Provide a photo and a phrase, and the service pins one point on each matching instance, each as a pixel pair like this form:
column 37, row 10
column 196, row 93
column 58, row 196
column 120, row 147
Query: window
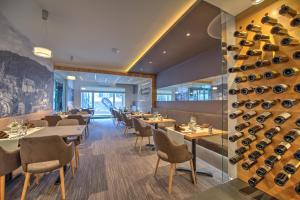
column 86, row 99
column 164, row 97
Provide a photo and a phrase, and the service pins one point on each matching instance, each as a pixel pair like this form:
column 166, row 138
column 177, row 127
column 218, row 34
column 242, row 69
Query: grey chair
column 9, row 161
column 52, row 119
column 67, row 122
column 141, row 132
column 128, row 123
column 172, row 153
column 45, row 154
column 119, row 118
column 38, row 123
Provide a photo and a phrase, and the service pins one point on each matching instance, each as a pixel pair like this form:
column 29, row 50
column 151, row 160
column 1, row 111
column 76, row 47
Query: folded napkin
column 3, row 135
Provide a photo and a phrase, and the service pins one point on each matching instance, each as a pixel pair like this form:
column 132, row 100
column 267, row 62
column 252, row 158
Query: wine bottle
column 261, row 145
column 292, row 166
column 297, row 88
column 282, row 148
column 255, row 154
column 248, row 164
column 242, row 126
column 297, row 122
column 288, row 103
column 292, row 135
column 269, row 104
column 271, row 160
column 287, row 11
column 240, row 34
column 234, row 69
column 296, row 55
column 254, row 180
column 280, row 59
column 296, row 21
column 248, row 140
column 247, row 67
column 297, row 154
column 235, row 137
column 281, row 119
column 253, row 28
column 238, row 104
column 262, row 171
column 254, row 77
column 236, row 114
column 261, row 37
column 241, row 150
column 240, row 79
column 235, row 159
column 249, row 115
column 297, row 189
column 262, row 63
column 253, row 130
column 262, row 89
column 251, row 104
column 252, row 52
column 281, row 88
column 233, row 48
column 246, row 91
column 263, row 117
column 233, row 91
column 272, row 132
column 270, row 47
column 269, row 20
column 278, row 30
column 271, row 75
column 289, row 41
column 282, row 178
column 291, row 71
column 247, row 43
column 240, row 57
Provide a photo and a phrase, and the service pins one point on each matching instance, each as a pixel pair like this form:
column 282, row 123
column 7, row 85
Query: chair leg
column 125, row 131
column 157, row 163
column 37, row 179
column 27, row 178
column 141, row 143
column 76, row 157
column 136, row 141
column 2, row 187
column 149, row 140
column 193, row 172
column 171, row 178
column 62, row 183
column 72, row 167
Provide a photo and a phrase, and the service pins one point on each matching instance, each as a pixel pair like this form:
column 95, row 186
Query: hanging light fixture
column 42, row 51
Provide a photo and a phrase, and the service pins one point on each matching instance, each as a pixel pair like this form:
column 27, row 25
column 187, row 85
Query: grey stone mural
column 26, row 86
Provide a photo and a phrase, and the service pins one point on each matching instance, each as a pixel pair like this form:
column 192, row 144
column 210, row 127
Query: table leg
column 197, row 172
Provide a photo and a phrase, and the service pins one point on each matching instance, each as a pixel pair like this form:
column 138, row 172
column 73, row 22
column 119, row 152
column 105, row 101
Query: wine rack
column 266, row 90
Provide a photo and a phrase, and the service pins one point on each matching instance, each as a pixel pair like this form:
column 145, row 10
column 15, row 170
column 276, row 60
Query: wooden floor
column 111, row 168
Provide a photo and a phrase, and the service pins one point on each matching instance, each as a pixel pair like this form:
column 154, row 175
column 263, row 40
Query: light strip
column 162, row 32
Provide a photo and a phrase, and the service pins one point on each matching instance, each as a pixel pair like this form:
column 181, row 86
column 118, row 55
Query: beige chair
column 169, row 152
column 9, row 161
column 52, row 119
column 76, row 140
column 39, row 123
column 142, row 131
column 128, row 123
column 45, row 154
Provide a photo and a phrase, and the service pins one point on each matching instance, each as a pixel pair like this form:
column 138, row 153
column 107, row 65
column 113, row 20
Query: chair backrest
column 42, row 149
column 39, row 123
column 118, row 116
column 74, row 111
column 79, row 118
column 9, row 161
column 67, row 122
column 162, row 141
column 52, row 119
column 86, row 110
column 127, row 121
column 137, row 124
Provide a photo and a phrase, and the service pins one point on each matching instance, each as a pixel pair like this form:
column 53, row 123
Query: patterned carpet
column 111, row 168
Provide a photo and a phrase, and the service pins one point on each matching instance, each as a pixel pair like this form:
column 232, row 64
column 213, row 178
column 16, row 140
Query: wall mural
column 26, row 86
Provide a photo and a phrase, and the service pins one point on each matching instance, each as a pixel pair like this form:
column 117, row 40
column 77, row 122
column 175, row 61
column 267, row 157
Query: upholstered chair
column 76, row 140
column 128, row 123
column 9, row 161
column 45, row 154
column 169, row 152
column 39, row 123
column 119, row 118
column 141, row 132
column 52, row 119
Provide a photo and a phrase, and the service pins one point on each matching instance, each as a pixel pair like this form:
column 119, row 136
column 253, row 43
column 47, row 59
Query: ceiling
column 233, row 7
column 89, row 30
column 178, row 46
column 94, row 79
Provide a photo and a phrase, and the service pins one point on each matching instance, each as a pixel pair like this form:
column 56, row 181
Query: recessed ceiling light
column 72, row 78
column 188, row 34
column 164, row 52
column 150, row 62
column 83, row 88
column 255, row 2
column 115, row 50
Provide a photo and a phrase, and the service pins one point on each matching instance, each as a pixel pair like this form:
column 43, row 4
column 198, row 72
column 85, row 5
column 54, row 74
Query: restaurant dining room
column 139, row 99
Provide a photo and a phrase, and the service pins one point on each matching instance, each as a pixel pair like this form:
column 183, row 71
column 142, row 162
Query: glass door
column 100, row 107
